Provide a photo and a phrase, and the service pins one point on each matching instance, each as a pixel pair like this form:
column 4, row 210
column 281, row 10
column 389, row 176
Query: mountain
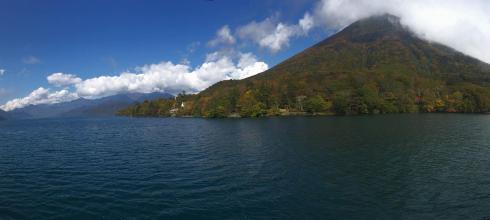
column 106, row 106
column 110, row 105
column 374, row 65
column 4, row 115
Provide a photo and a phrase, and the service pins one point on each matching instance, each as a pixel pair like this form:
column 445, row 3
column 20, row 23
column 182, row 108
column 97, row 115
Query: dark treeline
column 351, row 94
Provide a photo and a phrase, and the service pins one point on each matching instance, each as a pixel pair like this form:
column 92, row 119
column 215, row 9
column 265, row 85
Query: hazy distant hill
column 4, row 115
column 106, row 106
column 373, row 66
column 110, row 105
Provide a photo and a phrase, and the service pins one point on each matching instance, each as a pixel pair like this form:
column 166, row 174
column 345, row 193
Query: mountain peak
column 382, row 44
column 386, row 19
column 373, row 28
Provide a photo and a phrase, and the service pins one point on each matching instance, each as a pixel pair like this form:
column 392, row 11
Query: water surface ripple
column 382, row 167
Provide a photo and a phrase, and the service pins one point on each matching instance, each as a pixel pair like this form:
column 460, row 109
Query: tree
column 316, row 104
column 249, row 106
column 341, row 103
column 217, row 112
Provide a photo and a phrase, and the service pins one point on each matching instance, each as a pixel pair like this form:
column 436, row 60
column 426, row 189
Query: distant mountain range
column 4, row 115
column 373, row 66
column 106, row 106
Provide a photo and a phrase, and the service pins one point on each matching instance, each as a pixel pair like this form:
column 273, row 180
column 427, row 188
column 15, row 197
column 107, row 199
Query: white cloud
column 2, row 72
column 62, row 79
column 173, row 78
column 248, row 66
column 463, row 25
column 31, row 60
column 161, row 77
column 306, row 23
column 40, row 96
column 274, row 35
column 223, row 36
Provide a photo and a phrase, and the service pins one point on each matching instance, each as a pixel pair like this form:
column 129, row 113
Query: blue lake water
column 420, row 166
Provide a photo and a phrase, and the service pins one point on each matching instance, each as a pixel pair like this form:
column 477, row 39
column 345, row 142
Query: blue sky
column 55, row 50
column 91, row 38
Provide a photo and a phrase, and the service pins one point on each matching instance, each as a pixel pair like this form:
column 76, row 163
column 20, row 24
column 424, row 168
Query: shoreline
column 305, row 114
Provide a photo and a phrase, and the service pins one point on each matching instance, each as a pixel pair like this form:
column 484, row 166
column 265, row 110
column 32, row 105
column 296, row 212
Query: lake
column 412, row 166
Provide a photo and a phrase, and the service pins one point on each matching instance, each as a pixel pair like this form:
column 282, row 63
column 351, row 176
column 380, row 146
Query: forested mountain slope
column 373, row 66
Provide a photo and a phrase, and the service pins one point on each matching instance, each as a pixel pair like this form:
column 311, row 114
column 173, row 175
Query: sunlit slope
column 373, row 66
